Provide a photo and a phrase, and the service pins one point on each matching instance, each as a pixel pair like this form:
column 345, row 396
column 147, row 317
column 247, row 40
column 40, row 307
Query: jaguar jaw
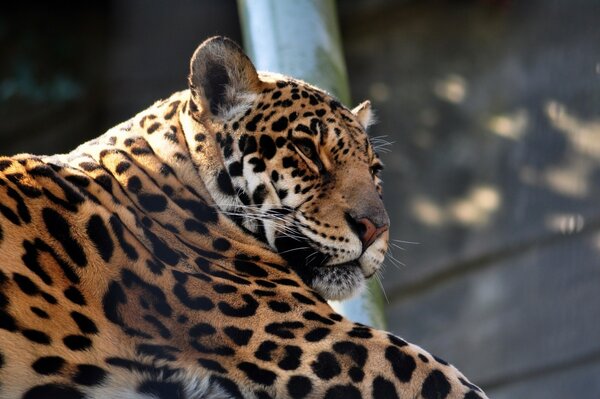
column 333, row 282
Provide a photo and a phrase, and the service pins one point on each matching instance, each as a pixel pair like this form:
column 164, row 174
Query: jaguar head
column 297, row 168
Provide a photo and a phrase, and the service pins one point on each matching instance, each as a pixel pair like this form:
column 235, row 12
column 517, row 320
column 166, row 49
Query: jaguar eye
column 375, row 169
column 307, row 148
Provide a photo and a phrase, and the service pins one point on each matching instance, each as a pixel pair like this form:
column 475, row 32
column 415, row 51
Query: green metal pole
column 301, row 38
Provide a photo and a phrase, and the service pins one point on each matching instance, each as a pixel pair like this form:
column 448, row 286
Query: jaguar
column 190, row 252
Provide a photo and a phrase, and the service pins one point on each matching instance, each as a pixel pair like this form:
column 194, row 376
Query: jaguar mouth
column 300, row 251
column 338, row 281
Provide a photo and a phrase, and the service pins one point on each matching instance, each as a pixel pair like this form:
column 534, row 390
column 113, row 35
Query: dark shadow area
column 52, row 74
column 70, row 70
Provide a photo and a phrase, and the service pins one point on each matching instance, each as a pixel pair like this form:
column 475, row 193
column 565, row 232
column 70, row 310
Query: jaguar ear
column 364, row 114
column 222, row 78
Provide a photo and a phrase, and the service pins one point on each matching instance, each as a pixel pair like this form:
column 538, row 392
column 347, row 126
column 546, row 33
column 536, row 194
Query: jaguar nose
column 367, row 231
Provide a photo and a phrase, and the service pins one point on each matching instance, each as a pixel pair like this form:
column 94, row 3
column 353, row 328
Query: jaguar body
column 190, row 252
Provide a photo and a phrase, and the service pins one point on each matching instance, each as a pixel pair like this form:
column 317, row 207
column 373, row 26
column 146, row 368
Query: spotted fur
column 189, row 253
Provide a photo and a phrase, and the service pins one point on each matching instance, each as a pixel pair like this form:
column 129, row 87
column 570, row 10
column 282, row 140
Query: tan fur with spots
column 188, row 253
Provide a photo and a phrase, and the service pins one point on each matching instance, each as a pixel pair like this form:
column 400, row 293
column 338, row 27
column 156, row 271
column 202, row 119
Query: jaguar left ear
column 221, row 77
column 364, row 114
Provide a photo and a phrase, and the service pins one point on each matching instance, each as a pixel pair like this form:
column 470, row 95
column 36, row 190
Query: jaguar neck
column 156, row 173
column 218, row 149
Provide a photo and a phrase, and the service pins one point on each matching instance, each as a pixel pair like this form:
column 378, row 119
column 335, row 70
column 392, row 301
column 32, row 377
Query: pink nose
column 368, row 232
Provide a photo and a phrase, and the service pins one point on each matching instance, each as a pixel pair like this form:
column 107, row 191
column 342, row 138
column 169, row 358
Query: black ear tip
column 214, row 47
column 219, row 42
column 221, row 39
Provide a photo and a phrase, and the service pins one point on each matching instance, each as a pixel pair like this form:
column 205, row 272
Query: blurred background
column 492, row 178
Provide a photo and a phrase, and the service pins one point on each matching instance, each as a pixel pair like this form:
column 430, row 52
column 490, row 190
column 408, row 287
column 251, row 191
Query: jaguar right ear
column 222, row 78
column 364, row 114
